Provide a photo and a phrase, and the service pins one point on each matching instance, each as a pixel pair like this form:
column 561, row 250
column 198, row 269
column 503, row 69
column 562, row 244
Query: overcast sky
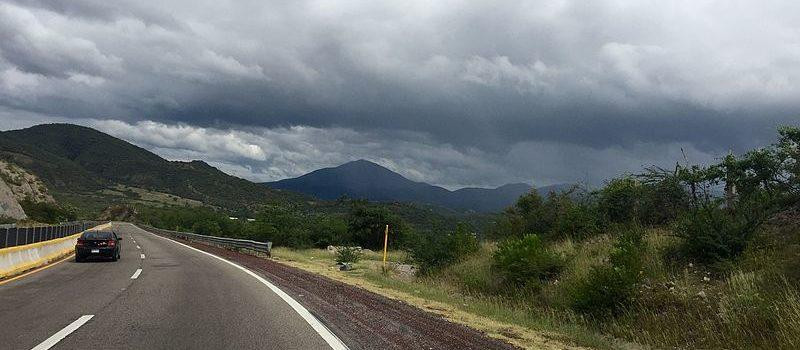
column 454, row 93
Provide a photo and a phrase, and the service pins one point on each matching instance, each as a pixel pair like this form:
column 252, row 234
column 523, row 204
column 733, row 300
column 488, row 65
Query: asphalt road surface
column 159, row 295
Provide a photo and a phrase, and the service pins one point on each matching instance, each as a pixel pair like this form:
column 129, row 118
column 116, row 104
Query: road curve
column 180, row 298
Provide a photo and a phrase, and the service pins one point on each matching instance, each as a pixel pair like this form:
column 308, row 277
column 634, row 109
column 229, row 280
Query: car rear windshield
column 97, row 235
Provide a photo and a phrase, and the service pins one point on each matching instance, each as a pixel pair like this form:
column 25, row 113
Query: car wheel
column 78, row 259
column 114, row 258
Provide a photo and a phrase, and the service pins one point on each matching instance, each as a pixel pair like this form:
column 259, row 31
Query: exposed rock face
column 24, row 184
column 16, row 184
column 9, row 207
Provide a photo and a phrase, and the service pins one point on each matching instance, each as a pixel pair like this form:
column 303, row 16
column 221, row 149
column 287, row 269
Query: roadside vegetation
column 48, row 213
column 688, row 257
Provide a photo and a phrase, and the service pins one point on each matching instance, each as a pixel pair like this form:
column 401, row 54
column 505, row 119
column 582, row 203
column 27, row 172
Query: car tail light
column 111, row 243
column 80, row 242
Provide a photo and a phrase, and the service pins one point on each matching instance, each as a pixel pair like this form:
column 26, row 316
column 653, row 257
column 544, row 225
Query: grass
column 752, row 302
column 505, row 318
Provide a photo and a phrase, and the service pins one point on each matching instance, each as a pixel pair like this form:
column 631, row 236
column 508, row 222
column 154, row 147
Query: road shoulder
column 364, row 319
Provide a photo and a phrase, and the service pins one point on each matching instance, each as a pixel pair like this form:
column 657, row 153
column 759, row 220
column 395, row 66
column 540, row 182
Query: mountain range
column 81, row 165
column 367, row 180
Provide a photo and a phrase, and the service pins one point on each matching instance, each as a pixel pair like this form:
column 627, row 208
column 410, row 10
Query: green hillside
column 79, row 160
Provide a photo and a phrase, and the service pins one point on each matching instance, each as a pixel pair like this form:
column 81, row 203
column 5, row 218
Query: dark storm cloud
column 493, row 84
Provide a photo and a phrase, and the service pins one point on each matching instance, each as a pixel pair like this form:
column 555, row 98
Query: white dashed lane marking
column 136, row 274
column 63, row 333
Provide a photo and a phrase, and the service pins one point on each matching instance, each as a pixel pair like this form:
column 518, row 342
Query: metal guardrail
column 224, row 242
column 16, row 236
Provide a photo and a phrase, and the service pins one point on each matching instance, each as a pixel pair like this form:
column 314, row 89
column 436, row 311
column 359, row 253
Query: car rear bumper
column 87, row 252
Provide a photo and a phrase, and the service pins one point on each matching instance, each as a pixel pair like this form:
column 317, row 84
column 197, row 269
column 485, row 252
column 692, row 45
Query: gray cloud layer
column 452, row 92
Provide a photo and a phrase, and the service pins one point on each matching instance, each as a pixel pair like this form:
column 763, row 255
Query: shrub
column 348, row 255
column 664, row 197
column 207, row 227
column 431, row 251
column 47, row 212
column 628, row 252
column 620, row 199
column 325, row 231
column 526, row 261
column 609, row 288
column 713, row 234
column 604, row 291
column 559, row 215
column 7, row 220
column 462, row 241
column 576, row 220
column 473, row 274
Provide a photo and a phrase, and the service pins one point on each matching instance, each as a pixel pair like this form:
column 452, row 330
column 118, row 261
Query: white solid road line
column 141, row 255
column 333, row 341
column 136, row 274
column 63, row 333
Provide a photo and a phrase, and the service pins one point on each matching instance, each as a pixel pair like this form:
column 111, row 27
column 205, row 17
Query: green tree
column 620, row 200
column 366, row 225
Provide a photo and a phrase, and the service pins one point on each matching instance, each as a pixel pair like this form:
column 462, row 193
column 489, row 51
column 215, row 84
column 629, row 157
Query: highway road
column 160, row 295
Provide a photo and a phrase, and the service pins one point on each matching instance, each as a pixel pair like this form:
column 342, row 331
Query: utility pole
column 385, row 246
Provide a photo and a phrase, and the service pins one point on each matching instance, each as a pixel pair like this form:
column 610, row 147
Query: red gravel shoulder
column 360, row 318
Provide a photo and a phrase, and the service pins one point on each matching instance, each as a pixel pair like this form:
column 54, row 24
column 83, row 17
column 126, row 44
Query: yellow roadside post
column 385, row 246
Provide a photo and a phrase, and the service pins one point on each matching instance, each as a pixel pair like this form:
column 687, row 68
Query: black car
column 98, row 244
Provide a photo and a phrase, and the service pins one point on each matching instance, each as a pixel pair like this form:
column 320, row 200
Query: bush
column 620, row 199
column 526, row 261
column 474, row 274
column 207, row 227
column 366, row 224
column 604, row 291
column 48, row 213
column 714, row 234
column 325, row 231
column 664, row 197
column 348, row 255
column 576, row 220
column 609, row 288
column 7, row 220
column 431, row 251
column 559, row 215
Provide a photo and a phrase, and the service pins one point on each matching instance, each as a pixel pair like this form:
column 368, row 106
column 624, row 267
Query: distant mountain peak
column 363, row 164
column 368, row 180
column 362, row 161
